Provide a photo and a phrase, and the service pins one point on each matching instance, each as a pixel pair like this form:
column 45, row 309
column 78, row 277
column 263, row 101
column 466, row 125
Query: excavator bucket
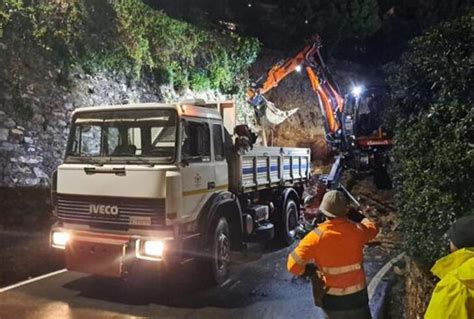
column 276, row 116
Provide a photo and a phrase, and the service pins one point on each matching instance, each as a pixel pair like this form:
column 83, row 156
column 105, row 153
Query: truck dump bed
column 268, row 167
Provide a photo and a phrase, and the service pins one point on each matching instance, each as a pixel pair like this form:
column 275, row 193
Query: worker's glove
column 309, row 270
column 355, row 215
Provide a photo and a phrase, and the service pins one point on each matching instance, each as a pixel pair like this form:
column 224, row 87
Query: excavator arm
column 330, row 101
column 277, row 73
column 330, row 98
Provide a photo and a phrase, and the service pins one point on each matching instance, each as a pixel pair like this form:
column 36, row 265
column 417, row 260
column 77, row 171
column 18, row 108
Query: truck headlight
column 150, row 249
column 154, row 248
column 59, row 239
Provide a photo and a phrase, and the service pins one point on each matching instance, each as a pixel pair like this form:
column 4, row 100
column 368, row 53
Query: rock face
column 37, row 99
column 305, row 127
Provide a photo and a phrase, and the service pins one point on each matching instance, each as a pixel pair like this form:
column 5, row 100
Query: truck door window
column 135, row 138
column 218, row 142
column 195, row 146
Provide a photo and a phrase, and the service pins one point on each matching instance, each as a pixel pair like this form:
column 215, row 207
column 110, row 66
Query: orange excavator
column 330, row 98
column 353, row 123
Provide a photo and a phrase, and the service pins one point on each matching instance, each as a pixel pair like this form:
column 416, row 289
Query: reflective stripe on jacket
column 336, row 247
column 453, row 296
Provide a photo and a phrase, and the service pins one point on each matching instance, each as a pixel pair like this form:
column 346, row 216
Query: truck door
column 220, row 163
column 198, row 173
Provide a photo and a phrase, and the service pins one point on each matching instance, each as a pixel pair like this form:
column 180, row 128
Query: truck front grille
column 108, row 211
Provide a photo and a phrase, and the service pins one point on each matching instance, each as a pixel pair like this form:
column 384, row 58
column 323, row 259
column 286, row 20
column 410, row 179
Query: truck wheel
column 288, row 223
column 220, row 252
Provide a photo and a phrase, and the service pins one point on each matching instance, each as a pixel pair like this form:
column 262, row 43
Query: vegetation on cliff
column 433, row 120
column 131, row 37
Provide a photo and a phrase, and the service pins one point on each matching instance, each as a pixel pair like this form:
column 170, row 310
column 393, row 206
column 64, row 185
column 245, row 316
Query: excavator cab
column 366, row 140
column 363, row 117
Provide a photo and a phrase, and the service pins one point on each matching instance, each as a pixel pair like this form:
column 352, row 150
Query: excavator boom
column 330, row 98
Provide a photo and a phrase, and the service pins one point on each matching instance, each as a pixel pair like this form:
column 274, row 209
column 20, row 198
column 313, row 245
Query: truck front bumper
column 113, row 255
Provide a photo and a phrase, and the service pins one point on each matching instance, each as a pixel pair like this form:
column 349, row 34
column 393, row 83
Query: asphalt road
column 259, row 287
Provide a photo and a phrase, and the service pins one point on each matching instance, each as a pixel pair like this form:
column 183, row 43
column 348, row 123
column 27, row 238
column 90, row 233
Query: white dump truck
column 161, row 184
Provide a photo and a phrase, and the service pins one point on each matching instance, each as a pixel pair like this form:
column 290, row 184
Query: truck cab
column 160, row 184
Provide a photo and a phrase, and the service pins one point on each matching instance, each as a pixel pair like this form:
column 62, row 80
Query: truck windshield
column 123, row 136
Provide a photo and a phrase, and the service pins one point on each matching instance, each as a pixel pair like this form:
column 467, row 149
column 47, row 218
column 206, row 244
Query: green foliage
column 336, row 21
column 129, row 36
column 427, row 13
column 433, row 119
column 200, row 80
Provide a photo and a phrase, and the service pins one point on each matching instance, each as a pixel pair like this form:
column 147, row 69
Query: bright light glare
column 357, row 91
column 60, row 239
column 298, row 68
column 154, row 248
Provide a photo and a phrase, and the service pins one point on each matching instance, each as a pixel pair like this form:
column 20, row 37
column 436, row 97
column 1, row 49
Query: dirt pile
column 378, row 205
column 296, row 137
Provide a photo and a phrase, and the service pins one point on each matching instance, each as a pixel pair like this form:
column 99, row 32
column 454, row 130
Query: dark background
column 366, row 31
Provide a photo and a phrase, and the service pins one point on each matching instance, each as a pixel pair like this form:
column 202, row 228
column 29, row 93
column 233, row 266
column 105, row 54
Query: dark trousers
column 361, row 313
column 353, row 306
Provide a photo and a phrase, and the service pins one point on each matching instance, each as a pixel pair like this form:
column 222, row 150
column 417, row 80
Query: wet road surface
column 259, row 287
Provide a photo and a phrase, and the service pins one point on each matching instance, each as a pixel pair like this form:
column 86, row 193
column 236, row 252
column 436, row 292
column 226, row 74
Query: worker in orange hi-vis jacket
column 332, row 254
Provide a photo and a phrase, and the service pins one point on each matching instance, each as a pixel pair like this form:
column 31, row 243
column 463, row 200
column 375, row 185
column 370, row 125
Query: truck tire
column 220, row 252
column 286, row 227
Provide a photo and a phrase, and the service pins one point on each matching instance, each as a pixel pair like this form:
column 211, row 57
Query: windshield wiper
column 90, row 158
column 144, row 161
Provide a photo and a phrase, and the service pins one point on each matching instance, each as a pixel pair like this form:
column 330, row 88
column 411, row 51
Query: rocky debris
column 379, row 205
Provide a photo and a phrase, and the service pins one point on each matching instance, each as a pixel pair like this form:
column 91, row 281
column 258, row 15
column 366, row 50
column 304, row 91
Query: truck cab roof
column 192, row 108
